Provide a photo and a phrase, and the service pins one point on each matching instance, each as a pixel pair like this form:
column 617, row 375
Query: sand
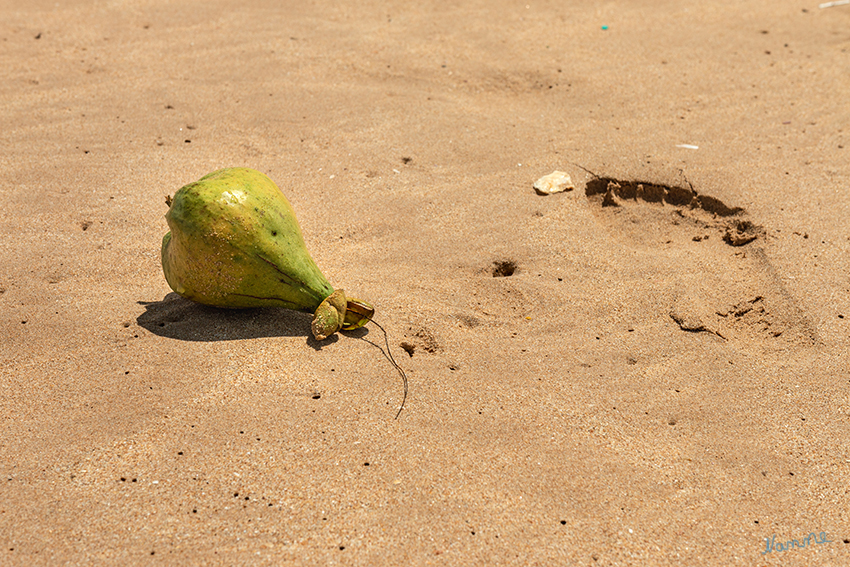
column 637, row 392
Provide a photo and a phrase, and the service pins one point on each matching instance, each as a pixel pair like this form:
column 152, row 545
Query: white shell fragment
column 555, row 182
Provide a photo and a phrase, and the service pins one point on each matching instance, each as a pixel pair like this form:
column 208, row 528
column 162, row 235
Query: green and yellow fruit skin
column 234, row 242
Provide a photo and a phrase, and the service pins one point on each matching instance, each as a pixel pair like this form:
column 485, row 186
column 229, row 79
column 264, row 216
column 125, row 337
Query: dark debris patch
column 659, row 193
column 735, row 230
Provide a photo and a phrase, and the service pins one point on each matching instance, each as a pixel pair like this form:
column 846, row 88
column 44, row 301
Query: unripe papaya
column 234, row 242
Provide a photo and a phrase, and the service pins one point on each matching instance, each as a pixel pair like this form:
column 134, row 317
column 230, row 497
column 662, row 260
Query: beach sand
column 639, row 391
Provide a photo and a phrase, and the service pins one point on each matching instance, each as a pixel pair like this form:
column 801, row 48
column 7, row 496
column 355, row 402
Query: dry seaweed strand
column 585, row 169
column 389, row 356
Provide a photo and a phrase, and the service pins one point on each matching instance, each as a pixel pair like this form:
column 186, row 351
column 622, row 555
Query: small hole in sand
column 408, row 348
column 504, row 268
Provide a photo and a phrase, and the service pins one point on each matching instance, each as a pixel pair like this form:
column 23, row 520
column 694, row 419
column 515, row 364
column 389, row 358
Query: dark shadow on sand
column 178, row 318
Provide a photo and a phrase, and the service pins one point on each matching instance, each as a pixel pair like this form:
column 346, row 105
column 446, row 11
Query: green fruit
column 235, row 242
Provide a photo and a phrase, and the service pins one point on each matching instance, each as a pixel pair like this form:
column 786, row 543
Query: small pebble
column 555, row 182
